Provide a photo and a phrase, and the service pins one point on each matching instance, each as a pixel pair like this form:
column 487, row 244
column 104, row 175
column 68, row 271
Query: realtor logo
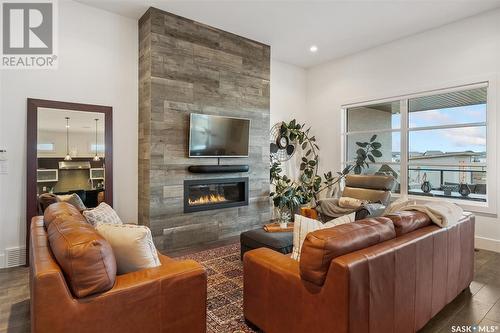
column 28, row 32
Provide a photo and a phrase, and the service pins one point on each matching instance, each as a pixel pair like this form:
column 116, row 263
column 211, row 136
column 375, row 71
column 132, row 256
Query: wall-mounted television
column 216, row 136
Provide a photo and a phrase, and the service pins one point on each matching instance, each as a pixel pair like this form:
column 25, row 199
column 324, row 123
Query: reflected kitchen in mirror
column 71, row 154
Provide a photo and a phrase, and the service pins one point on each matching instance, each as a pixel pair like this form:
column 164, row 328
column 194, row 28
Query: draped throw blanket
column 441, row 213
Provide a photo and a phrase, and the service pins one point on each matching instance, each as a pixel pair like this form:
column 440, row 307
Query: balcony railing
column 448, row 187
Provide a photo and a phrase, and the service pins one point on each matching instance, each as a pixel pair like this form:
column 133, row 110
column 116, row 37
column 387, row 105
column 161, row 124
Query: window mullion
column 403, row 181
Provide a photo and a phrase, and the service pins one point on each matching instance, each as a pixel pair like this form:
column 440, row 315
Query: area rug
column 224, row 290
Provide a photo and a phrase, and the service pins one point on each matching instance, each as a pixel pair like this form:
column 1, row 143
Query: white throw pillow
column 103, row 213
column 351, row 203
column 304, row 225
column 132, row 245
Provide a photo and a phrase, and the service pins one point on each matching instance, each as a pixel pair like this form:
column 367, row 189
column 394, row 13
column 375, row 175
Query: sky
column 445, row 140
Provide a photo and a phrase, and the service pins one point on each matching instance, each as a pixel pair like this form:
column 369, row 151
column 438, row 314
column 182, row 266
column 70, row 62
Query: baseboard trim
column 487, row 244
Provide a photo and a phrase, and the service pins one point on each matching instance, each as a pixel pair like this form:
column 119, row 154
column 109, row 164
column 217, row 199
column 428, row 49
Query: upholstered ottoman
column 277, row 241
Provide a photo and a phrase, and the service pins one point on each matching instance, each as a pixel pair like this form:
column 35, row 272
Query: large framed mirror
column 69, row 155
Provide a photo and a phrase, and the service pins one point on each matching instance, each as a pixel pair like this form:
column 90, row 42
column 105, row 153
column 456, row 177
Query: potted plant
column 289, row 195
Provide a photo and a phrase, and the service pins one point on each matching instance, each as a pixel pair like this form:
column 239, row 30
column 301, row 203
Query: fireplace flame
column 207, row 199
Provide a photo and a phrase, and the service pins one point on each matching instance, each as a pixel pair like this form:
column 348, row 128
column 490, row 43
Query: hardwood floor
column 480, row 304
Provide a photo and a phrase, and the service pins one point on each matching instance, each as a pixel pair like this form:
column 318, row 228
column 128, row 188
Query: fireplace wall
column 184, row 67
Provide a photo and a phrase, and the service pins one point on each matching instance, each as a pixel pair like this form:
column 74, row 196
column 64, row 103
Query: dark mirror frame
column 32, row 158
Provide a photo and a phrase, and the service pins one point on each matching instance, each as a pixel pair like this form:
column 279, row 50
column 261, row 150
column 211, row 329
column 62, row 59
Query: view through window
column 439, row 140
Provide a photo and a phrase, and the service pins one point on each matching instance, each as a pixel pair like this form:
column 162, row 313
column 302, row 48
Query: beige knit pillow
column 103, row 213
column 304, row 225
column 132, row 245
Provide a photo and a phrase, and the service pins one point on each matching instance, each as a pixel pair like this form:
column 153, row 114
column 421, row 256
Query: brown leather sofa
column 74, row 286
column 386, row 274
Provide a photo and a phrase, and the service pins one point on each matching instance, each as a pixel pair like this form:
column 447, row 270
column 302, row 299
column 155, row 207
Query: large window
column 434, row 143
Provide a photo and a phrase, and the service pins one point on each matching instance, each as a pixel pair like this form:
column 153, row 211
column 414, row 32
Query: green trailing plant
column 290, row 194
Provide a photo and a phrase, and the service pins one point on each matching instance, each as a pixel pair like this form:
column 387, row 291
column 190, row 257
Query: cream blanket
column 441, row 213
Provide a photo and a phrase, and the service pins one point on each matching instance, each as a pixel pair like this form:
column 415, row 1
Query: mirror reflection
column 71, row 155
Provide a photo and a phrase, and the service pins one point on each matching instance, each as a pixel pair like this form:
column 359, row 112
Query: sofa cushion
column 304, row 225
column 84, row 256
column 73, row 199
column 407, row 221
column 322, row 246
column 47, row 199
column 60, row 209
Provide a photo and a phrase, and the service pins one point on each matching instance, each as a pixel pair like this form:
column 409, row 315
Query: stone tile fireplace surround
column 184, row 67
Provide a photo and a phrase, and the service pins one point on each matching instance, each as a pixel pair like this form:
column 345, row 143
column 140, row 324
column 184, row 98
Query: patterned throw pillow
column 73, row 199
column 102, row 214
column 304, row 225
column 132, row 245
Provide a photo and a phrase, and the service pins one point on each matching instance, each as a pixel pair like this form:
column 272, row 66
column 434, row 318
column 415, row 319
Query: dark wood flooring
column 480, row 304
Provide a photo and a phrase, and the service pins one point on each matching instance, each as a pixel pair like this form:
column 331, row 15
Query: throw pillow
column 132, row 245
column 352, row 203
column 102, row 214
column 304, row 225
column 73, row 199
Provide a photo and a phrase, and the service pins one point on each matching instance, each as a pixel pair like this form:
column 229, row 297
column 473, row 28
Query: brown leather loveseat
column 74, row 286
column 386, row 274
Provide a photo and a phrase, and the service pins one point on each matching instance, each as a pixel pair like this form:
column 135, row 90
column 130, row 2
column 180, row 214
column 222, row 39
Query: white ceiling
column 338, row 28
column 54, row 120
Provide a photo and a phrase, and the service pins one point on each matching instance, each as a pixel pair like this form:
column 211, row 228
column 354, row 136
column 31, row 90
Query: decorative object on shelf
column 290, row 194
column 426, row 185
column 447, row 189
column 464, row 189
column 284, row 217
column 281, row 145
column 96, row 157
column 68, row 156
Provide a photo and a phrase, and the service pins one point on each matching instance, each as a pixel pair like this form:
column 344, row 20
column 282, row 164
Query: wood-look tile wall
column 184, row 67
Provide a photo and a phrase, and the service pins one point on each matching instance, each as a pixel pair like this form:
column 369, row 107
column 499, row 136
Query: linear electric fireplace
column 206, row 194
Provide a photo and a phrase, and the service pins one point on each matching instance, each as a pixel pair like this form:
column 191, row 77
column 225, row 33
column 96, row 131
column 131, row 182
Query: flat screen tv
column 216, row 136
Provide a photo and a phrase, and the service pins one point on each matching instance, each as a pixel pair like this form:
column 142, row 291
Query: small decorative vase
column 426, row 186
column 283, row 225
column 464, row 190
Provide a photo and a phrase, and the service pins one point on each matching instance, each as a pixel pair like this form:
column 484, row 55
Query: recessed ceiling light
column 313, row 48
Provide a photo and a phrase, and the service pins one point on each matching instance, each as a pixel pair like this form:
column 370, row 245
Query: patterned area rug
column 225, row 289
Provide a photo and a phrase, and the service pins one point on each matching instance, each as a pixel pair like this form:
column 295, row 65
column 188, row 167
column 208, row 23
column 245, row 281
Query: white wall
column 288, row 101
column 288, row 92
column 98, row 64
column 467, row 51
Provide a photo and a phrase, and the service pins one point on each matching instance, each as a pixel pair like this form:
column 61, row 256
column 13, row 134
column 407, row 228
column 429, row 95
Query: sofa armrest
column 167, row 298
column 169, row 270
column 171, row 297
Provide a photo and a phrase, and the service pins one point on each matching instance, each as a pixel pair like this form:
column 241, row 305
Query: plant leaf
column 376, row 153
column 373, row 138
column 371, row 158
column 376, row 145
